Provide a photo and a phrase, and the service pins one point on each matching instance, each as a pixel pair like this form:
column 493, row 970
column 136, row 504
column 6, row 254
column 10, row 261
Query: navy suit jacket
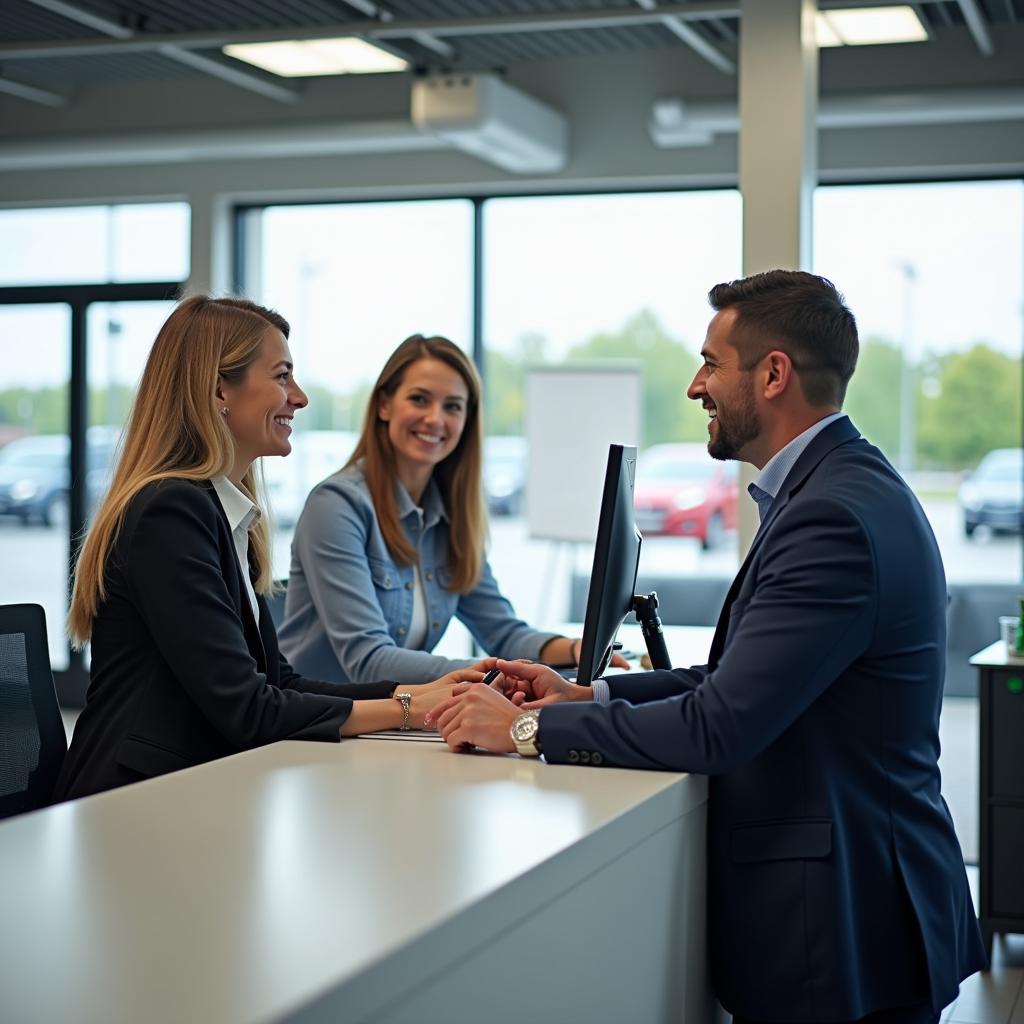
column 836, row 882
column 182, row 672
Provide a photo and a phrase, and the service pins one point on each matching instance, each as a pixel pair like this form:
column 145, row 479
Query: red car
column 681, row 491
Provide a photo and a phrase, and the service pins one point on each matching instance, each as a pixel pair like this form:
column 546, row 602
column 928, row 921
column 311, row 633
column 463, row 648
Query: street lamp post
column 908, row 374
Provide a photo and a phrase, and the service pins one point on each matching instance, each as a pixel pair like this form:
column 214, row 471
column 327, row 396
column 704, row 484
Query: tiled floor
column 995, row 996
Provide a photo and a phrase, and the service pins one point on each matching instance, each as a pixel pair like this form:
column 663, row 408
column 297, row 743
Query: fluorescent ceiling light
column 865, row 26
column 298, row 59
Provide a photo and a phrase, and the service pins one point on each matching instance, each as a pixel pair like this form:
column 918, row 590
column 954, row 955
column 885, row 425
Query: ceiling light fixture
column 301, row 59
column 866, row 26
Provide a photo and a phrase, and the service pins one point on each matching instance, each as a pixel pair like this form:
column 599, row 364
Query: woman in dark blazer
column 185, row 663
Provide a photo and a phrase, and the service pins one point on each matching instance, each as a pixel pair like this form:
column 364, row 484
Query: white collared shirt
column 242, row 513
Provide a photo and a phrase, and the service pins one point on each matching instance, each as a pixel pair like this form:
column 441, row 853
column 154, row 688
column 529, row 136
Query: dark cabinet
column 1001, row 808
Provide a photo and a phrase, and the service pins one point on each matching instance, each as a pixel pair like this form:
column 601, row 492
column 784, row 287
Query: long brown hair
column 459, row 476
column 175, row 430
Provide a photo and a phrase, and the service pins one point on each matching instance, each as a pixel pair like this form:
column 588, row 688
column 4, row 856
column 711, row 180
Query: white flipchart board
column 573, row 412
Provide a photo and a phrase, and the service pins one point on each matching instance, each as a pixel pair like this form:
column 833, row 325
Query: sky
column 940, row 264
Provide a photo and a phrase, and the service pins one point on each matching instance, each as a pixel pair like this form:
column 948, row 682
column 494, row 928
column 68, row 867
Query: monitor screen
column 616, row 555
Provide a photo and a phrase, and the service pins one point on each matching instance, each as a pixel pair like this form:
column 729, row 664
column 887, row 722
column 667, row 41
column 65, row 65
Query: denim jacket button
column 408, row 586
column 401, row 630
column 436, row 625
column 429, row 575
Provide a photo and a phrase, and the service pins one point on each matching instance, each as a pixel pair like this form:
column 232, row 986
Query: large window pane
column 95, row 244
column 934, row 274
column 120, row 337
column 354, row 280
column 34, row 450
column 618, row 277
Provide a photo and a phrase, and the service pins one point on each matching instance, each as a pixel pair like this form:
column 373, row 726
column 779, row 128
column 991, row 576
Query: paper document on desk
column 398, row 734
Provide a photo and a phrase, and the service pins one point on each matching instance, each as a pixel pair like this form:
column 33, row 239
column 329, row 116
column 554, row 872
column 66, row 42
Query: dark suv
column 34, row 476
column 993, row 495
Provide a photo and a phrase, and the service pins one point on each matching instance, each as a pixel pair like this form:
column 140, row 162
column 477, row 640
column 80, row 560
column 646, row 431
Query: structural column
column 778, row 166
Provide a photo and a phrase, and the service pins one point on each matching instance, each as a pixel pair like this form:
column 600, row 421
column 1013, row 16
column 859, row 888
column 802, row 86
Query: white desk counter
column 365, row 881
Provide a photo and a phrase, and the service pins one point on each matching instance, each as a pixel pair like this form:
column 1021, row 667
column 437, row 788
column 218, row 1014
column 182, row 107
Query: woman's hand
column 473, row 674
column 426, row 696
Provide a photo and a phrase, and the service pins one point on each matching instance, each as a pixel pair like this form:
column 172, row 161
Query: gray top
column 349, row 607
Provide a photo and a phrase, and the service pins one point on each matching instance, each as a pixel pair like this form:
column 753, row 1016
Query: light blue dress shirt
column 349, row 607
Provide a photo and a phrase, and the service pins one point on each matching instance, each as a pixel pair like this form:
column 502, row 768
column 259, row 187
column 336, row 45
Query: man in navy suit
column 837, row 889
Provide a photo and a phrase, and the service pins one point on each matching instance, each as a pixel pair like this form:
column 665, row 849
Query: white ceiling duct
column 484, row 116
column 674, row 122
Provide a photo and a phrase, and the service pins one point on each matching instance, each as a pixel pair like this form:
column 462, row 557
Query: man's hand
column 475, row 716
column 529, row 685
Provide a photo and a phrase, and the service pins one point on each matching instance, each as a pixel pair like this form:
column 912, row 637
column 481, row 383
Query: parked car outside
column 505, row 460
column 316, row 454
column 993, row 495
column 35, row 476
column 681, row 491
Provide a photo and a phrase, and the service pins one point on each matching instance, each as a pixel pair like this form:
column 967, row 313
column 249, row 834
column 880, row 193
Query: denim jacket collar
column 433, row 504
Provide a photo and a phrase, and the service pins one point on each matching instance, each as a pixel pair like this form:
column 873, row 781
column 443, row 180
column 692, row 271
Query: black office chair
column 32, row 740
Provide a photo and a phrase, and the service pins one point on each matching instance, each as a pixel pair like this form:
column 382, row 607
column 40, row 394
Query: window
column 612, row 277
column 935, row 275
column 95, row 244
column 34, row 466
column 353, row 281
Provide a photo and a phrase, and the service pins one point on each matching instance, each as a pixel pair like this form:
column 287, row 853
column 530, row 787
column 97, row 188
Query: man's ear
column 779, row 374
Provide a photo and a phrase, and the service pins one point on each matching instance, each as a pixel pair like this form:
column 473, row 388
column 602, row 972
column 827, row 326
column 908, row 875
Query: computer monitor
column 616, row 556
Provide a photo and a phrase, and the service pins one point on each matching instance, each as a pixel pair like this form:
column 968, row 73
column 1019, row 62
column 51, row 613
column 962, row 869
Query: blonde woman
column 170, row 582
column 391, row 547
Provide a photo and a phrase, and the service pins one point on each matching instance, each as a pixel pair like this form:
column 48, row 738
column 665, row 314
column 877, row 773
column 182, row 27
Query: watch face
column 524, row 728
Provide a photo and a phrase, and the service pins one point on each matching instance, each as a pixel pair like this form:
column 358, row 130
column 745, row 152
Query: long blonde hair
column 459, row 476
column 175, row 430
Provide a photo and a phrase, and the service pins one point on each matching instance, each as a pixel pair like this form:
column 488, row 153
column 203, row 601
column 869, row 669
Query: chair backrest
column 32, row 739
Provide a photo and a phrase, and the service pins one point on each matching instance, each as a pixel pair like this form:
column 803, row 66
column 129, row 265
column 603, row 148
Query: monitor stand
column 645, row 606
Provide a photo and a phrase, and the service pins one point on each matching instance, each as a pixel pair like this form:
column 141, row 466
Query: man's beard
column 741, row 425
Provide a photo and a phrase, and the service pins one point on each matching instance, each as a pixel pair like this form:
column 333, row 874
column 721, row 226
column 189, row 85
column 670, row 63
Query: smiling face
column 425, row 416
column 726, row 390
column 262, row 403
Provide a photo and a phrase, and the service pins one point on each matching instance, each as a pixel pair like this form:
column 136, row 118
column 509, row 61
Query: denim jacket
column 349, row 605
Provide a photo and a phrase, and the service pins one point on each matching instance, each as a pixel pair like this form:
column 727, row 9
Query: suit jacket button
column 436, row 625
column 584, row 757
column 574, row 757
column 596, row 758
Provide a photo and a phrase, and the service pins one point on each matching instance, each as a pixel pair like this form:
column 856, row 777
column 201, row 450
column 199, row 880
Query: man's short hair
column 800, row 314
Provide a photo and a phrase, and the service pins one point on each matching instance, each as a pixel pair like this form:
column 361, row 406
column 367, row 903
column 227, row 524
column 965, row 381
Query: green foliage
column 975, row 407
column 505, row 384
column 967, row 402
column 38, row 411
column 668, row 369
column 873, row 397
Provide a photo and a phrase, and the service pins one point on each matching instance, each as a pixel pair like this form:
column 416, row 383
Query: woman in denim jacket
column 389, row 548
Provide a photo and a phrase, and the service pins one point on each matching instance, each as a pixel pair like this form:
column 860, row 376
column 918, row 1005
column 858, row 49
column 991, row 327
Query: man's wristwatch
column 406, row 698
column 525, row 733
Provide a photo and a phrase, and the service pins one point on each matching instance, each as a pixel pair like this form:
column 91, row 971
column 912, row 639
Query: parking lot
column 533, row 573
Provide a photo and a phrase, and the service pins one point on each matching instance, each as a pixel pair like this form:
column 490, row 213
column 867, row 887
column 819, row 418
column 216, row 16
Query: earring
column 224, row 411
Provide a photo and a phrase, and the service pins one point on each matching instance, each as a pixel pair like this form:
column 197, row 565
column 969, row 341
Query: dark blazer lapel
column 826, row 441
